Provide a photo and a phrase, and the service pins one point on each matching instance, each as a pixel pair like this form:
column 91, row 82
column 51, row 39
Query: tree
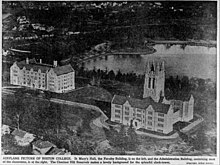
column 122, row 138
column 9, row 146
column 112, row 135
column 119, row 76
column 200, row 142
column 185, row 83
column 111, row 75
column 80, row 146
column 79, row 131
column 132, row 138
column 15, row 109
column 183, row 136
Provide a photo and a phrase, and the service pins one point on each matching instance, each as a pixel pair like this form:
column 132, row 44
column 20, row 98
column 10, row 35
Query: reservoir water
column 192, row 61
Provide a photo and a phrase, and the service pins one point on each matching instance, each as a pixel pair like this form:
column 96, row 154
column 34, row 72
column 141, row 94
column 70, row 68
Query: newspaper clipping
column 109, row 82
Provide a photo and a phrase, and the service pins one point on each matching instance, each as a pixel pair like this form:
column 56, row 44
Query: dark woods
column 173, row 85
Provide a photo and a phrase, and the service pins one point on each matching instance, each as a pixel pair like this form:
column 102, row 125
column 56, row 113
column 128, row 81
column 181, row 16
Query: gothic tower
column 154, row 80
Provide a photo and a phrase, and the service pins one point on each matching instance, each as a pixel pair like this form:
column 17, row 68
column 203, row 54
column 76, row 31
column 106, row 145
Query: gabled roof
column 59, row 70
column 63, row 69
column 141, row 103
column 33, row 65
column 43, row 144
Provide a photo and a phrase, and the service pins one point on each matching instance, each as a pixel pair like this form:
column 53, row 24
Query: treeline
column 98, row 74
column 173, row 84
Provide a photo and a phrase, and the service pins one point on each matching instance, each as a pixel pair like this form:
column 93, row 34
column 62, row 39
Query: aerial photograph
column 109, row 78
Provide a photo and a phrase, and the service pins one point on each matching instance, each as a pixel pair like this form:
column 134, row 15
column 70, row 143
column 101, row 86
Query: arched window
column 149, row 82
column 153, row 83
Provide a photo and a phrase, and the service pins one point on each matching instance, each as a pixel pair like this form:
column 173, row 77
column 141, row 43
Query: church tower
column 154, row 80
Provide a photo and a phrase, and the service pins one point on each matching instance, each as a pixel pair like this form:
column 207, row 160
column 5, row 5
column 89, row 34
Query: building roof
column 59, row 70
column 43, row 144
column 19, row 133
column 56, row 151
column 63, row 69
column 141, row 103
column 35, row 66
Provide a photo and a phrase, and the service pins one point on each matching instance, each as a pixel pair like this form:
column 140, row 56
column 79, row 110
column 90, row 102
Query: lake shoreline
column 188, row 42
column 192, row 61
column 150, row 43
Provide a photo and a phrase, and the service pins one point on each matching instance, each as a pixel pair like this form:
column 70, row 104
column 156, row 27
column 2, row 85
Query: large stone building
column 153, row 112
column 42, row 76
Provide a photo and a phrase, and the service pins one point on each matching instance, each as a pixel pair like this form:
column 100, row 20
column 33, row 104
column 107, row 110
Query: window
column 117, row 116
column 117, row 111
column 159, row 130
column 160, row 125
column 117, row 121
column 150, row 113
column 149, row 128
column 149, row 118
column 126, row 113
column 153, row 83
column 149, row 82
column 15, row 71
column 127, row 118
column 160, row 114
column 139, row 110
column 117, row 106
column 149, row 123
column 186, row 109
column 139, row 115
column 126, row 108
column 161, row 120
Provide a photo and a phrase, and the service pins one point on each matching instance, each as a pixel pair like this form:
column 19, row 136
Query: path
column 97, row 131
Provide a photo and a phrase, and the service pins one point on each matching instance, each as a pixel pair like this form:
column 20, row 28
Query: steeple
column 154, row 80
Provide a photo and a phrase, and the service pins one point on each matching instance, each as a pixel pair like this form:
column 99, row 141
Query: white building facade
column 153, row 112
column 54, row 78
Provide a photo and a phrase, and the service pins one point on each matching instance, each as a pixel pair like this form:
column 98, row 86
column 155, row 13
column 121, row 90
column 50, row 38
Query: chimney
column 40, row 61
column 27, row 60
column 55, row 63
